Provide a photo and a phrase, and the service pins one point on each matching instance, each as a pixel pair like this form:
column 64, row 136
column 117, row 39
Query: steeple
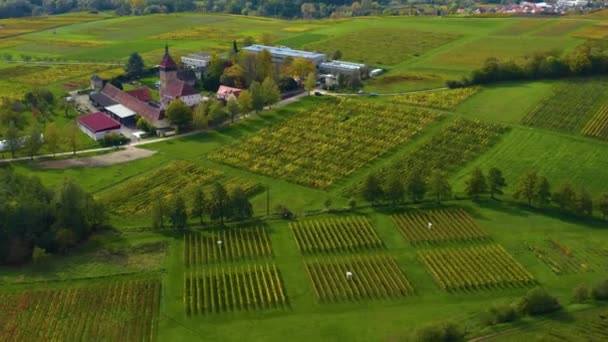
column 167, row 64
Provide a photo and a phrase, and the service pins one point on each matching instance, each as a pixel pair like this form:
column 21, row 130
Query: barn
column 97, row 125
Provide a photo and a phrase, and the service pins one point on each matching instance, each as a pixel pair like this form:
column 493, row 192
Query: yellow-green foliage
column 442, row 99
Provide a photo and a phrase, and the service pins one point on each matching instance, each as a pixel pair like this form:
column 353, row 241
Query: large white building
column 342, row 67
column 279, row 54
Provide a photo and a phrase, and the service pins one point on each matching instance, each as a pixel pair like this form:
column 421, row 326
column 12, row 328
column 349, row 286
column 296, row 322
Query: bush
column 538, row 302
column 445, row 331
column 114, row 139
column 600, row 292
column 499, row 314
column 580, row 294
column 284, row 212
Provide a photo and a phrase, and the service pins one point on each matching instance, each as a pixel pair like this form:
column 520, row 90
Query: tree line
column 35, row 218
column 588, row 59
column 218, row 206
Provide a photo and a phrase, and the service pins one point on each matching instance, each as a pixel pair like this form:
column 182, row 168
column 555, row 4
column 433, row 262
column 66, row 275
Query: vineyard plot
column 321, row 146
column 568, row 107
column 598, row 125
column 226, row 245
column 475, row 268
column 442, row 99
column 594, row 328
column 443, row 225
column 135, row 196
column 560, row 258
column 251, row 287
column 120, row 311
column 453, row 147
column 377, row 277
column 353, row 234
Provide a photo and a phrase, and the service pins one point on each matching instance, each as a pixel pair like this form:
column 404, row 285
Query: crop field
column 374, row 277
column 442, row 99
column 446, row 225
column 134, row 196
column 560, row 258
column 522, row 27
column 559, row 28
column 18, row 26
column 227, row 245
column 597, row 31
column 48, row 75
column 383, row 46
column 568, row 107
column 316, row 148
column 594, row 328
column 257, row 287
column 454, row 146
column 196, row 33
column 483, row 267
column 352, row 234
column 123, row 310
column 598, row 125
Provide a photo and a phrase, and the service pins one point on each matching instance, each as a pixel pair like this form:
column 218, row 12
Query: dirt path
column 123, row 156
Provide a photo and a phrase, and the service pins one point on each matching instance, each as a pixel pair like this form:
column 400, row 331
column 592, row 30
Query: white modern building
column 197, row 60
column 279, row 54
column 342, row 67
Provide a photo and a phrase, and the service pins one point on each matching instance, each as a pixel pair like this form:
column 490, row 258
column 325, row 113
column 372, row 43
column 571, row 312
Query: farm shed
column 100, row 100
column 121, row 113
column 97, row 125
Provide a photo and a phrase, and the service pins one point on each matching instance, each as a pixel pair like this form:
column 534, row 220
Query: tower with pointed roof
column 168, row 71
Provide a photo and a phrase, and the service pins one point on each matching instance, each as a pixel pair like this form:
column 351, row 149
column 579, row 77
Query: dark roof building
column 100, row 100
column 152, row 114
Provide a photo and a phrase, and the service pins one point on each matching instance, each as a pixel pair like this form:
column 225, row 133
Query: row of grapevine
column 453, row 147
column 598, row 125
column 373, row 277
column 594, row 328
column 558, row 257
column 350, row 234
column 567, row 108
column 475, row 268
column 442, row 99
column 135, row 196
column 226, row 245
column 251, row 287
column 316, row 148
column 445, row 225
column 120, row 311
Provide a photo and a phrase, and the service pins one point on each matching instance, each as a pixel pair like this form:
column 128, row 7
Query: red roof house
column 97, row 125
column 224, row 92
column 142, row 94
column 140, row 107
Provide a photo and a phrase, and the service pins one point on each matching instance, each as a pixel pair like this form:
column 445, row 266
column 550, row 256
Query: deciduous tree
column 416, row 187
column 271, row 92
column 602, row 205
column 219, row 203
column 179, row 114
column 72, row 136
column 240, row 207
column 52, row 138
column 158, row 212
column 527, row 187
column 11, row 135
column 245, row 102
column 311, row 82
column 565, row 198
column 372, row 191
column 257, row 96
column 496, row 182
column 177, row 213
column 542, row 192
column 232, row 106
column 33, row 142
column 585, row 204
column 439, row 185
column 199, row 204
column 476, row 185
column 395, row 191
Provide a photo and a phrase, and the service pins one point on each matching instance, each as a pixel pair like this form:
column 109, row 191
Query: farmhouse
column 224, row 92
column 279, row 54
column 97, row 125
column 171, row 87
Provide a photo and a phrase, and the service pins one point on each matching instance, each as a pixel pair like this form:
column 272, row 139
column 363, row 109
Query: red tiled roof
column 178, row 88
column 98, row 122
column 168, row 62
column 226, row 91
column 133, row 103
column 142, row 94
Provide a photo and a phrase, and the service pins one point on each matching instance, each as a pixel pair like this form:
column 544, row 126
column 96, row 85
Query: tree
column 71, row 136
column 581, row 294
column 565, row 198
column 585, row 204
column 496, row 182
column 200, row 115
column 372, row 191
column 270, row 92
column 300, row 67
column 476, row 185
column 219, row 202
column 538, row 302
column 445, row 331
column 395, row 191
column 11, row 135
column 65, row 239
column 600, row 292
column 232, row 106
column 311, row 82
column 248, row 41
column 240, row 207
column 542, row 192
column 52, row 138
column 199, row 204
column 135, row 66
column 527, row 187
column 602, row 205
column 257, row 96
column 336, row 55
column 439, row 185
column 264, row 65
column 245, row 102
column 416, row 187
column 352, row 204
column 308, row 10
column 328, row 202
column 33, row 142
column 179, row 114
column 158, row 213
column 177, row 213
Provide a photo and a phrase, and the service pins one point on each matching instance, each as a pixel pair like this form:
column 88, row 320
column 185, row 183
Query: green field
column 269, row 278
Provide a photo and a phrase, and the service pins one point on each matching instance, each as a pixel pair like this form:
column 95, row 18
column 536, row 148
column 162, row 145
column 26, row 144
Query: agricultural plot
column 457, row 144
column 568, row 107
column 14, row 27
column 475, row 268
column 435, row 226
column 226, row 245
column 198, row 32
column 50, row 75
column 377, row 277
column 594, row 328
column 316, row 148
column 384, row 46
column 598, row 125
column 598, row 31
column 521, row 27
column 135, row 196
column 559, row 28
column 248, row 287
column 125, row 310
column 353, row 234
column 442, row 99
column 561, row 259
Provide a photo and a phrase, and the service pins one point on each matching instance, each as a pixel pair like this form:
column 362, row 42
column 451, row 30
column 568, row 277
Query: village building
column 130, row 106
column 224, row 92
column 281, row 53
column 197, row 62
column 346, row 68
column 97, row 125
column 171, row 87
column 96, row 82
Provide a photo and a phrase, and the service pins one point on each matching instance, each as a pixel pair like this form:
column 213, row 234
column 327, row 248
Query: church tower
column 168, row 71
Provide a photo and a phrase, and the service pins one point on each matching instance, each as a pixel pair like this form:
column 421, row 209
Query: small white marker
column 430, row 226
column 219, row 243
column 349, row 275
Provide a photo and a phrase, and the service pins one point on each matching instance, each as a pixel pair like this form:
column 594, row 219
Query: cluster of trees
column 34, row 217
column 221, row 205
column 586, row 60
column 296, row 8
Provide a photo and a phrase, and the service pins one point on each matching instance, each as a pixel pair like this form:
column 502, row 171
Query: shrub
column 600, row 292
column 284, row 212
column 445, row 331
column 114, row 139
column 580, row 294
column 499, row 314
column 538, row 302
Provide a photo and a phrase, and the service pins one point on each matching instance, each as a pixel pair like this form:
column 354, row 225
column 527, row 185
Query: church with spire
column 171, row 87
